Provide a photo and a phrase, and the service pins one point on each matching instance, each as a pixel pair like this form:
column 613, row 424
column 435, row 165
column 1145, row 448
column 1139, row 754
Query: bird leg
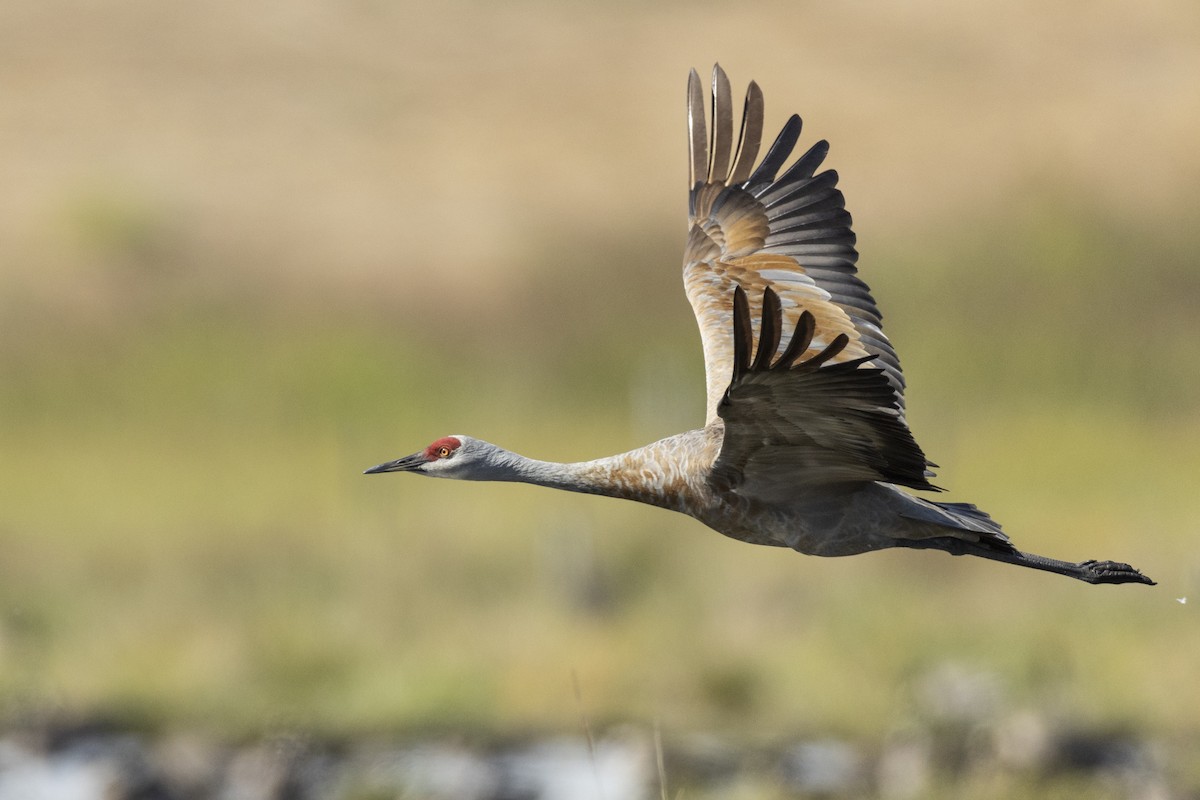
column 1088, row 571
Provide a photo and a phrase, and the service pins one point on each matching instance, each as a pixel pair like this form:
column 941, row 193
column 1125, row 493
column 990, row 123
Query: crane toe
column 1112, row 572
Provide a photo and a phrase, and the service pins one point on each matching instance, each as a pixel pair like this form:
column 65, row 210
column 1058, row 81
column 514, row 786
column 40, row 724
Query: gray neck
column 652, row 474
column 589, row 477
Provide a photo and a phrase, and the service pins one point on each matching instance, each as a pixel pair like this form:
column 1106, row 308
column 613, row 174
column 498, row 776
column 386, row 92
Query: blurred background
column 248, row 250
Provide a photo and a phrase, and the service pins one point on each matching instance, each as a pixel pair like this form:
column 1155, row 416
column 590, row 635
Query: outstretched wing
column 751, row 229
column 794, row 422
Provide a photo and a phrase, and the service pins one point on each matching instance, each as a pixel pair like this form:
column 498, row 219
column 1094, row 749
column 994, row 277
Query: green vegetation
column 188, row 540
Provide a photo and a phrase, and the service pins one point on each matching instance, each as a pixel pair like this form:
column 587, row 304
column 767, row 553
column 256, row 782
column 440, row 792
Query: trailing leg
column 1087, row 571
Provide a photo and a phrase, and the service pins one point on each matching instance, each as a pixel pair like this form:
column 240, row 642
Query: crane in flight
column 805, row 442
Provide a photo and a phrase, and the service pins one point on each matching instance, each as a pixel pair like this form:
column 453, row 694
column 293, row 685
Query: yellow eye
column 443, row 452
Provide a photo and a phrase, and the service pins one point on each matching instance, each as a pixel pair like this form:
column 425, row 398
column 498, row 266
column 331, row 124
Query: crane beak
column 407, row 464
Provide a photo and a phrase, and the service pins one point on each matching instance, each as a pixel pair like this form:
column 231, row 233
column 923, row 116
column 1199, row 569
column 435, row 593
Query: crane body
column 805, row 443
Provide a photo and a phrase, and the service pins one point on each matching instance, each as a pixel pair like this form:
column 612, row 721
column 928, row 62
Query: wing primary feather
column 806, row 326
column 852, row 366
column 779, row 152
column 829, row 204
column 750, row 138
column 742, row 334
column 722, row 126
column 697, row 137
column 806, row 165
column 768, row 330
column 836, row 346
column 807, row 191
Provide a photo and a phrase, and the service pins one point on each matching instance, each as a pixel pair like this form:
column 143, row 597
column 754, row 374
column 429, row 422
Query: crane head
column 455, row 456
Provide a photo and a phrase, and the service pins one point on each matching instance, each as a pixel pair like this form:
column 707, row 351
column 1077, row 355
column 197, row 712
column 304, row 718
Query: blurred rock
column 825, row 767
column 434, row 771
column 1023, row 740
column 29, row 775
column 105, row 764
column 569, row 768
column 193, row 765
column 905, row 766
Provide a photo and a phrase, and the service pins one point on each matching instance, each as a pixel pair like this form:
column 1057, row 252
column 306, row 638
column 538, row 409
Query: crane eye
column 442, row 448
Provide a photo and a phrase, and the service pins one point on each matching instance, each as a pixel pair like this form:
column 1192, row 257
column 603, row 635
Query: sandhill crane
column 805, row 441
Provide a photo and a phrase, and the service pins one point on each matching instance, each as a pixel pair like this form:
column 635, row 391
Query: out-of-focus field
column 247, row 251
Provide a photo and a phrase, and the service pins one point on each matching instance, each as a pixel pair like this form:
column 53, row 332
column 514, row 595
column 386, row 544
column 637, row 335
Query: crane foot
column 1111, row 572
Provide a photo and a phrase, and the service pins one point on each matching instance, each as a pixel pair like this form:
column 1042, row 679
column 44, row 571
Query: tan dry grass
column 380, row 147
